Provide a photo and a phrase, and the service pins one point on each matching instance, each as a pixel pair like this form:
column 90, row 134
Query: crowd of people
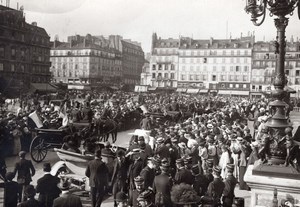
column 198, row 157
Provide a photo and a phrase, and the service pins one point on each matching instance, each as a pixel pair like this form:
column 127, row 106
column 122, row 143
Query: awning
column 228, row 92
column 152, row 89
column 79, row 87
column 203, row 91
column 192, row 90
column 183, row 90
column 42, row 87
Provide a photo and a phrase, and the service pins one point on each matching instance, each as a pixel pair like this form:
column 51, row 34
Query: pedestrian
column 120, row 172
column 25, row 171
column 66, row 199
column 230, row 183
column 29, row 192
column 162, row 186
column 12, row 190
column 183, row 175
column 97, row 172
column 148, row 173
column 139, row 188
column 145, row 199
column 47, row 187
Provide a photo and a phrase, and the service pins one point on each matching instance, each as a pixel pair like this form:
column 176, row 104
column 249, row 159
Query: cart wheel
column 38, row 149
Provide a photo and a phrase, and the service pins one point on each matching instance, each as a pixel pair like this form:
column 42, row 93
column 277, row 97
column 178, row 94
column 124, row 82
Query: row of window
column 165, row 75
column 21, row 68
column 237, row 68
column 204, row 77
column 82, row 52
column 214, row 60
column 202, row 52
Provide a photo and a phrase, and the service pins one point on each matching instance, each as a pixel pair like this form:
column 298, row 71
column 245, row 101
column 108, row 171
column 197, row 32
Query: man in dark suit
column 230, row 183
column 183, row 175
column 139, row 188
column 148, row 173
column 12, row 190
column 47, row 187
column 30, row 193
column 23, row 168
column 66, row 199
column 201, row 182
column 135, row 168
column 97, row 172
column 162, row 186
column 216, row 187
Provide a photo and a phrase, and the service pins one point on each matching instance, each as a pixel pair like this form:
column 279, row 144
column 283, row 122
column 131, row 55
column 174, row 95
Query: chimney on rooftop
column 34, row 24
column 211, row 41
column 292, row 39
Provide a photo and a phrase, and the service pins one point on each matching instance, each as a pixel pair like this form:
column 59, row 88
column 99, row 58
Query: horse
column 106, row 127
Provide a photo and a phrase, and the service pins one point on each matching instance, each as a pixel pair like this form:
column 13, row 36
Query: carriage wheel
column 38, row 149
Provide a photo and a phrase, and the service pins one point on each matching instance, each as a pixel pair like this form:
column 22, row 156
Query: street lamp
column 279, row 120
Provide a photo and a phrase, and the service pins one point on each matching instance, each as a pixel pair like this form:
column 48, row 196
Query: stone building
column 264, row 64
column 24, row 53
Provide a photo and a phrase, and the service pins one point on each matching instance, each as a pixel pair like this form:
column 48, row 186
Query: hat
column 47, row 167
column 139, row 180
column 30, row 191
column 187, row 136
column 160, row 140
column 121, row 197
column 22, row 154
column 217, row 170
column 230, row 167
column 188, row 160
column 64, row 184
column 210, row 126
column 174, row 139
column 141, row 138
column 195, row 170
column 147, row 194
column 240, row 139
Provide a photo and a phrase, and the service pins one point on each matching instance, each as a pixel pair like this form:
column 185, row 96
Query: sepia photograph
column 138, row 103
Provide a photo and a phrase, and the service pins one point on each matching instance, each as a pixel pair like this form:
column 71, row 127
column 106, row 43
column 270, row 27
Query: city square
column 157, row 104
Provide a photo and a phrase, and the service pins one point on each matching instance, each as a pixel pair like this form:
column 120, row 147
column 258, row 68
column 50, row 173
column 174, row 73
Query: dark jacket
column 162, row 187
column 47, row 187
column 120, row 170
column 13, row 191
column 215, row 190
column 23, row 168
column 67, row 200
column 184, row 176
column 228, row 193
column 148, row 174
column 134, row 170
column 30, row 203
column 97, row 172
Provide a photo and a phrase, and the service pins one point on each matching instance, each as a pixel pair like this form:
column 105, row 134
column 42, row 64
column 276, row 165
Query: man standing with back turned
column 97, row 172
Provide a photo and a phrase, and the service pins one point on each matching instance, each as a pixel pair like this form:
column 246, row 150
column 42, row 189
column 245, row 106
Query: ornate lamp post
column 281, row 8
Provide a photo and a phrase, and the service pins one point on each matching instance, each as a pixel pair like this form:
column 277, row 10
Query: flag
column 36, row 119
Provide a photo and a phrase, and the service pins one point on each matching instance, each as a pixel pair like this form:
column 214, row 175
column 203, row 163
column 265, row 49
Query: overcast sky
column 138, row 19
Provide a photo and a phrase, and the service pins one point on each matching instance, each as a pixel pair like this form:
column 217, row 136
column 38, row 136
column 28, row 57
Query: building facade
column 94, row 60
column 24, row 51
column 218, row 66
column 264, row 64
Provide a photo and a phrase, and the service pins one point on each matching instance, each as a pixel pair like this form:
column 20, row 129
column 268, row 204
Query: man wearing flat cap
column 145, row 199
column 25, row 171
column 216, row 187
column 47, row 187
column 230, row 183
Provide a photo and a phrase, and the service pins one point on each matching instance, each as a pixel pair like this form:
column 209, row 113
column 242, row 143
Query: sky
column 138, row 19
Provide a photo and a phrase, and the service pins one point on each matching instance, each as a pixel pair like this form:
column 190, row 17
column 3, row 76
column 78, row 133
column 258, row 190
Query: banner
column 36, row 119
